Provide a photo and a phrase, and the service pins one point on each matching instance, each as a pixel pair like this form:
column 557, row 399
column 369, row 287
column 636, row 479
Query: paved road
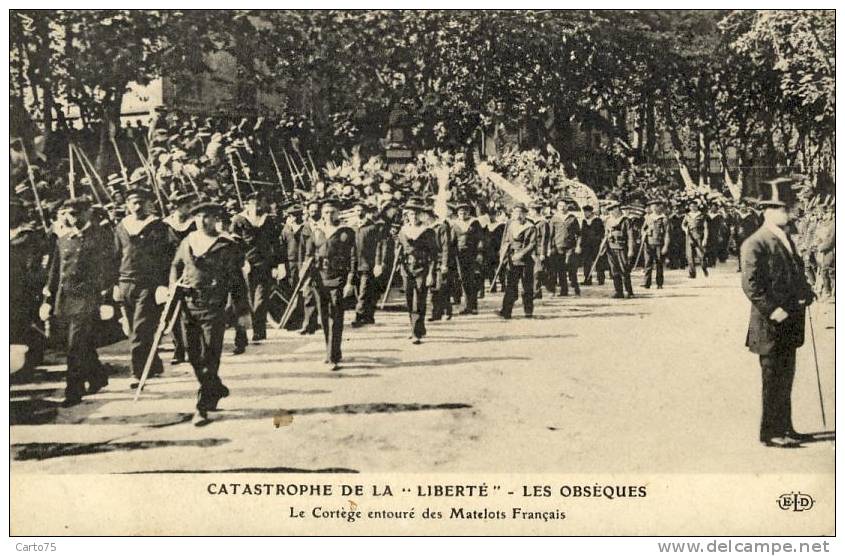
column 660, row 383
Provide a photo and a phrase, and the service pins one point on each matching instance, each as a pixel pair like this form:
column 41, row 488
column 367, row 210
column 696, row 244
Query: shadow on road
column 48, row 450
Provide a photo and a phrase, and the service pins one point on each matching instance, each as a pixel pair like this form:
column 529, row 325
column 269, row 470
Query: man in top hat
column 144, row 245
column 621, row 247
column 418, row 258
column 369, row 252
column 656, row 238
column 519, row 243
column 564, row 247
column 81, row 273
column 181, row 224
column 257, row 231
column 592, row 233
column 332, row 245
column 542, row 226
column 697, row 232
column 207, row 264
column 773, row 279
column 469, row 250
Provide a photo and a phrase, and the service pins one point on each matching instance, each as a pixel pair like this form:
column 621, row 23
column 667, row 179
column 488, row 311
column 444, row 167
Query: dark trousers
column 309, row 313
column 778, row 370
column 365, row 306
column 694, row 249
column 177, row 334
column 331, row 318
column 204, row 328
column 653, row 263
column 259, row 288
column 441, row 302
column 539, row 276
column 565, row 269
column 469, row 280
column 415, row 298
column 143, row 314
column 620, row 270
column 513, row 276
column 588, row 257
column 83, row 364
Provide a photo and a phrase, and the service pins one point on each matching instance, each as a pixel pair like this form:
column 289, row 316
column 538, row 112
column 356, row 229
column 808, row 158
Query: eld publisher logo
column 795, row 501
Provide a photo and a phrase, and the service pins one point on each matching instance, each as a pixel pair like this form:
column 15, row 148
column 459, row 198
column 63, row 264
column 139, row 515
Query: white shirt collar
column 780, row 234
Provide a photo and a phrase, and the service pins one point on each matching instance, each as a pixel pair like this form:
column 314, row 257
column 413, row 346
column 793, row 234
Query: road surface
column 660, row 383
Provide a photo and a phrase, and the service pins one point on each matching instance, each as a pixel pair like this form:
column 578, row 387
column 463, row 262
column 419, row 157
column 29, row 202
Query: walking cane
column 816, row 361
column 163, row 326
column 390, row 278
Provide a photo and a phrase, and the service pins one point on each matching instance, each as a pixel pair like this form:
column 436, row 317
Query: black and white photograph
column 422, row 272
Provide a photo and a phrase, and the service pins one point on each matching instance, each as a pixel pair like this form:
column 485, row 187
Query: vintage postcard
column 422, row 272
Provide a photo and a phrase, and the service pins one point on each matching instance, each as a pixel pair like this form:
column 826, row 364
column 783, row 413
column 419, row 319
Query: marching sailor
column 208, row 266
column 516, row 255
column 656, row 237
column 620, row 250
column 419, row 265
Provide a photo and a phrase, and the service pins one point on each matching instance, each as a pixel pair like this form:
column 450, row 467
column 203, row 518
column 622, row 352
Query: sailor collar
column 201, row 243
column 178, row 225
column 134, row 227
column 463, row 225
column 328, row 229
column 517, row 228
column 257, row 220
column 413, row 232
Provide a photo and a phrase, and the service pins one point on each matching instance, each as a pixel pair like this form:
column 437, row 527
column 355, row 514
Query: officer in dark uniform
column 290, row 250
column 620, row 249
column 144, row 245
column 469, row 246
column 369, row 245
column 565, row 247
column 27, row 249
column 208, row 266
column 446, row 277
column 181, row 224
column 418, row 258
column 542, row 251
column 519, row 243
column 81, row 272
column 592, row 233
column 333, row 247
column 309, row 301
column 258, row 233
column 697, row 232
column 656, row 236
column 774, row 281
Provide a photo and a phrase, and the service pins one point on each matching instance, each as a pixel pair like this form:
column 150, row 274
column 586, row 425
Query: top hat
column 777, row 193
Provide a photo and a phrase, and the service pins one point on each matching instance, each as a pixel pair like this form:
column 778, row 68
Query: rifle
column 85, row 159
column 598, row 255
column 71, row 177
column 31, row 175
column 235, row 178
column 390, row 278
column 87, row 175
column 278, row 172
column 120, row 162
column 172, row 307
column 151, row 175
column 300, row 285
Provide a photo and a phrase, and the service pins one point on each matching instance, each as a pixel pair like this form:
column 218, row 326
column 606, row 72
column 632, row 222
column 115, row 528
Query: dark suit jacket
column 773, row 278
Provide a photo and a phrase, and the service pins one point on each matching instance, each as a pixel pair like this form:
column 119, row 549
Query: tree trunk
column 650, row 133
